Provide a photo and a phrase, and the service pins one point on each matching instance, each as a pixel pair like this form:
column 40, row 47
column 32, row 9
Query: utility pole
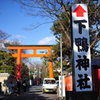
column 61, row 65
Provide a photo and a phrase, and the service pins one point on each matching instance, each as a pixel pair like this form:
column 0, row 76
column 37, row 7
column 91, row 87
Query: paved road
column 34, row 93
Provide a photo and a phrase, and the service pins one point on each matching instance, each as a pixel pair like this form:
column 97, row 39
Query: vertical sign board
column 81, row 48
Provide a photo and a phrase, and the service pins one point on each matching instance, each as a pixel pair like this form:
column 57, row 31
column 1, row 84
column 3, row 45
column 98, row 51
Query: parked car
column 49, row 85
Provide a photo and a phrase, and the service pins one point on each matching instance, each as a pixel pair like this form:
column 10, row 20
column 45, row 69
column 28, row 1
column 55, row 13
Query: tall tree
column 59, row 11
column 7, row 63
column 24, row 71
column 3, row 37
column 94, row 32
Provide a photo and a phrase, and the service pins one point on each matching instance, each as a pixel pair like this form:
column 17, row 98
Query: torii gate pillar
column 18, row 67
column 19, row 55
column 50, row 68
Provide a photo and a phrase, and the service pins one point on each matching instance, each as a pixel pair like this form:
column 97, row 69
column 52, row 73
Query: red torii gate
column 19, row 55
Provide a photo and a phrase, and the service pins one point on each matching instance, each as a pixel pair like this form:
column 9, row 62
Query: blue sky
column 14, row 20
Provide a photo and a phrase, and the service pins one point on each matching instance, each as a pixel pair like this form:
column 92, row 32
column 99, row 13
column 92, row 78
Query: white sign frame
column 81, row 33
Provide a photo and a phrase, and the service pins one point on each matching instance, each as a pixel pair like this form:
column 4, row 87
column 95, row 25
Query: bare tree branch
column 34, row 27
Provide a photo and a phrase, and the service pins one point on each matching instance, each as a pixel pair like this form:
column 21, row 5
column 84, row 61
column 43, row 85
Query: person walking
column 24, row 85
column 11, row 88
column 18, row 86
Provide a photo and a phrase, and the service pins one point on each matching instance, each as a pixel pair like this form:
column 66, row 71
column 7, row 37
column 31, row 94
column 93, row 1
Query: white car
column 49, row 85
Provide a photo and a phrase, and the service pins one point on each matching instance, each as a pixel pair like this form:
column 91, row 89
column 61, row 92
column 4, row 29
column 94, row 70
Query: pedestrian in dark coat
column 18, row 86
column 24, row 86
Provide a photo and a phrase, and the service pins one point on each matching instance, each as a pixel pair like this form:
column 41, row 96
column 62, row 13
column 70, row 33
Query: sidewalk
column 1, row 96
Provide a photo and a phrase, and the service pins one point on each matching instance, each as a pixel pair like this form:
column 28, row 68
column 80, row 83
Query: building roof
column 95, row 62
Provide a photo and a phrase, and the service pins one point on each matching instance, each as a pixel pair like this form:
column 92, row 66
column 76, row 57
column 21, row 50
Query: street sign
column 81, row 48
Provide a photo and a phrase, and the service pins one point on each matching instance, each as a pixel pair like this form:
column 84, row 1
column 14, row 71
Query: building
column 5, row 79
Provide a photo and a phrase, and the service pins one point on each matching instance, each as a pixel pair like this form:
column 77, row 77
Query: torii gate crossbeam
column 19, row 55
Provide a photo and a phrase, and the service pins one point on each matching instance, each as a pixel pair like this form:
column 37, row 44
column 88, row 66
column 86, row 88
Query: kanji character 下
column 80, row 24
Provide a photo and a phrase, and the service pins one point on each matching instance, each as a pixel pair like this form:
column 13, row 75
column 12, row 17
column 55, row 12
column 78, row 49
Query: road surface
column 34, row 93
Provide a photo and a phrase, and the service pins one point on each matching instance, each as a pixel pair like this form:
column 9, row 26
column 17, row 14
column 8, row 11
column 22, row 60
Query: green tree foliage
column 7, row 63
column 94, row 18
column 24, row 71
column 94, row 24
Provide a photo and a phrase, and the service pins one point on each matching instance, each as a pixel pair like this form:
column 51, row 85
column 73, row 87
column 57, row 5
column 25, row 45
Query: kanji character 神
column 84, row 63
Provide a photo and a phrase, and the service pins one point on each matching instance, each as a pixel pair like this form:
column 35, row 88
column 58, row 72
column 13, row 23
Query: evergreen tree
column 7, row 63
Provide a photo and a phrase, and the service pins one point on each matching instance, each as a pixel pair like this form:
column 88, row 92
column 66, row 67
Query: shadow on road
column 34, row 93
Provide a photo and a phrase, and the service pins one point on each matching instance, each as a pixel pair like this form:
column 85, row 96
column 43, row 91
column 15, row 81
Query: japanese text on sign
column 81, row 48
